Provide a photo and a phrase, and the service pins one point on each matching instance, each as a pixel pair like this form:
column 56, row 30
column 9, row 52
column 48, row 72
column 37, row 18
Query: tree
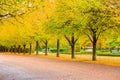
column 49, row 8
column 15, row 8
column 97, row 19
column 35, row 24
column 15, row 12
column 64, row 22
column 72, row 42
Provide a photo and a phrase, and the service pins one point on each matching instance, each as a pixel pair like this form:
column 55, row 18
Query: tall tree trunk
column 24, row 48
column 46, row 49
column 30, row 48
column 19, row 49
column 72, row 47
column 94, row 51
column 100, row 46
column 94, row 47
column 37, row 47
column 58, row 48
column 14, row 50
column 5, row 49
column 11, row 49
column 72, row 52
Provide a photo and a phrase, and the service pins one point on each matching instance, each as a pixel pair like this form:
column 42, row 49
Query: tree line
column 43, row 21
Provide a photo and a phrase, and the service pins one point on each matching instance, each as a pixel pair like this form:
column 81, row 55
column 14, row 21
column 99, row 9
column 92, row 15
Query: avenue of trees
column 28, row 25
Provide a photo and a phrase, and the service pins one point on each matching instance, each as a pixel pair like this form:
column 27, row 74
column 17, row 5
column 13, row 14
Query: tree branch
column 68, row 40
column 89, row 37
column 76, row 40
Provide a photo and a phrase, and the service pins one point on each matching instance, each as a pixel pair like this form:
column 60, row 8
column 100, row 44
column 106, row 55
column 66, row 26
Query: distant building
column 88, row 48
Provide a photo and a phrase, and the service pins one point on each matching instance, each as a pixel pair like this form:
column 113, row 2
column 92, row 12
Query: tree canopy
column 25, row 21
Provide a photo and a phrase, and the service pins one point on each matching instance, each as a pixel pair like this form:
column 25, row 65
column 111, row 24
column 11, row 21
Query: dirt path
column 32, row 68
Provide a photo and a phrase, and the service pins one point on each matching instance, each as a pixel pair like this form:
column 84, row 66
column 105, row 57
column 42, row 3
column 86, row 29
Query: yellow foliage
column 118, row 40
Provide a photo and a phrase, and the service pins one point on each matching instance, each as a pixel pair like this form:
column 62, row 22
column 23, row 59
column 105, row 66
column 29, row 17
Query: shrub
column 55, row 50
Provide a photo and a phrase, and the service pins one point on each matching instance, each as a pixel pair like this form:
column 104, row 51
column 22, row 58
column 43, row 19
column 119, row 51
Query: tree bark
column 72, row 47
column 24, row 48
column 58, row 48
column 37, row 47
column 94, row 47
column 14, row 49
column 11, row 49
column 30, row 48
column 100, row 46
column 46, row 49
column 94, row 52
column 19, row 49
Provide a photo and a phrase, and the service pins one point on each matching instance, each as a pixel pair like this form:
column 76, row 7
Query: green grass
column 110, row 54
column 99, row 53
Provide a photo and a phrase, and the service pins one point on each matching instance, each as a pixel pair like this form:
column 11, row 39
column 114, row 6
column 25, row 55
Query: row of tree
column 27, row 21
column 92, row 18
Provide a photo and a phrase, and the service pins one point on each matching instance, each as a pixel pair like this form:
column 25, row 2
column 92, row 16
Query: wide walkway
column 32, row 68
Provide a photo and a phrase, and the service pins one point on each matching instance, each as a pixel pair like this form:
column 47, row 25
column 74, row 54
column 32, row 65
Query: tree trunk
column 94, row 52
column 94, row 47
column 11, row 49
column 100, row 46
column 37, row 47
column 72, row 47
column 46, row 45
column 30, row 48
column 5, row 50
column 24, row 48
column 58, row 48
column 19, row 49
column 14, row 50
column 72, row 42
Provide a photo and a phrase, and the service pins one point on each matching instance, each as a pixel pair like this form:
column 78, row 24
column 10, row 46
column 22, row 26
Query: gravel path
column 33, row 68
